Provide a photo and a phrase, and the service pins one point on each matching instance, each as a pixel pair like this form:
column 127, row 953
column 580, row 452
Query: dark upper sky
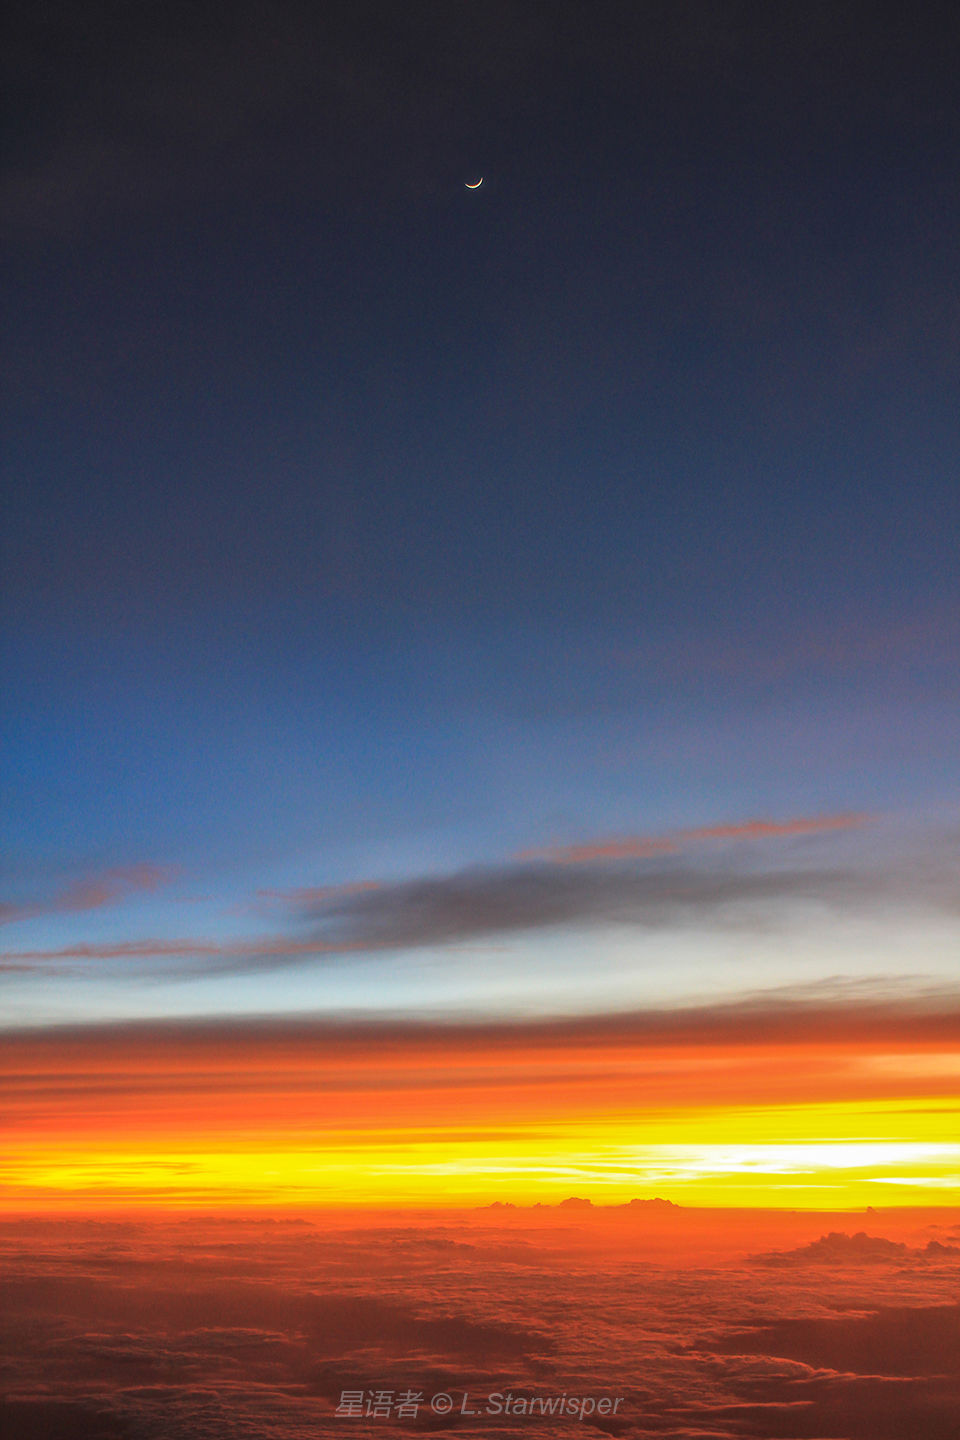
column 694, row 341
column 658, row 425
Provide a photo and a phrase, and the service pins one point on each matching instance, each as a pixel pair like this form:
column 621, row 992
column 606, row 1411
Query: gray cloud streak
column 484, row 904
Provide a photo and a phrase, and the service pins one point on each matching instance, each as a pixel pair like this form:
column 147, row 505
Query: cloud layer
column 220, row 1328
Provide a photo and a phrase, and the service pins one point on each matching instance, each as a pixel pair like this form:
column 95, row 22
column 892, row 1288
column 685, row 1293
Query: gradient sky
column 425, row 605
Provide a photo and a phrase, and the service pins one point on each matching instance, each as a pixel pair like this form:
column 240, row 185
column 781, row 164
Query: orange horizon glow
column 818, row 1110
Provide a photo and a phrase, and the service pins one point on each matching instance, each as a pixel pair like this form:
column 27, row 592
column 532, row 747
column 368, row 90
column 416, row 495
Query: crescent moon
column 475, row 186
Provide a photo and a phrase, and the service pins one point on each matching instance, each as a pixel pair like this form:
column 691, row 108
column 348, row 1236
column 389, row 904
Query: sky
column 434, row 616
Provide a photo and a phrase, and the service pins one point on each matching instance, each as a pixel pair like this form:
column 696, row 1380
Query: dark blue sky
column 359, row 523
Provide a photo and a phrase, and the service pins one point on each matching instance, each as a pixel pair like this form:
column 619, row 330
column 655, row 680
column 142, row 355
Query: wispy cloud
column 91, row 892
column 623, row 847
column 650, row 890
column 318, row 894
column 481, row 904
column 642, row 847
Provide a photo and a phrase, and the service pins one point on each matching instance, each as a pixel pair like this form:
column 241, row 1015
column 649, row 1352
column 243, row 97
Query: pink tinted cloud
column 92, row 892
column 763, row 829
column 318, row 894
column 628, row 847
column 267, row 947
column 642, row 847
